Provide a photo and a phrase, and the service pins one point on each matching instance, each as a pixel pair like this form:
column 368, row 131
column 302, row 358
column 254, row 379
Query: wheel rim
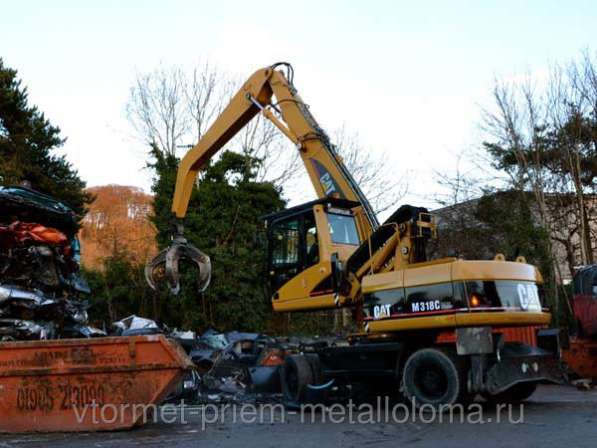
column 431, row 381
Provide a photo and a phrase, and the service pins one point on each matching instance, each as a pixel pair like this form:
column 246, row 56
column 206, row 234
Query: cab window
column 285, row 243
column 293, row 247
column 343, row 229
column 312, row 245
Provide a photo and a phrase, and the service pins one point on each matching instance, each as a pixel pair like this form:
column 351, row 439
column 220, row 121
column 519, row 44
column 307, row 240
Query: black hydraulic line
column 321, row 135
column 371, row 216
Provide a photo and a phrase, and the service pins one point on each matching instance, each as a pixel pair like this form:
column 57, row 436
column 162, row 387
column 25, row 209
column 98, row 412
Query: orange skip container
column 99, row 384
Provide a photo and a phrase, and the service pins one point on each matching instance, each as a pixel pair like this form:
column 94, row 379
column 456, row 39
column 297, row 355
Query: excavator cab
column 314, row 239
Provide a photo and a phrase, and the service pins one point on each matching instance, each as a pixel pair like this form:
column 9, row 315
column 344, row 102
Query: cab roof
column 300, row 209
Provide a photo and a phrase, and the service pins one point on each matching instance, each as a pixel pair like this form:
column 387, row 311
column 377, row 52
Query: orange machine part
column 85, row 384
column 581, row 357
column 526, row 335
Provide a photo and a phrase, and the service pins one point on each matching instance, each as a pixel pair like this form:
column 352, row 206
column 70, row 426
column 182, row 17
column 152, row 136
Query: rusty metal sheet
column 85, row 384
column 581, row 357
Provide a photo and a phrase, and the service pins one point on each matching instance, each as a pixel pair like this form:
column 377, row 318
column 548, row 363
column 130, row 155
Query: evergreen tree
column 27, row 145
column 118, row 290
column 509, row 227
column 224, row 221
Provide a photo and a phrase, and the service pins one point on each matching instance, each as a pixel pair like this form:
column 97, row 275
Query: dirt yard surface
column 554, row 417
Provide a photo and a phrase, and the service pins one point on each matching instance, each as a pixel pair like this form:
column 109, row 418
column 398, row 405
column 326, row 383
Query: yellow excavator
column 438, row 331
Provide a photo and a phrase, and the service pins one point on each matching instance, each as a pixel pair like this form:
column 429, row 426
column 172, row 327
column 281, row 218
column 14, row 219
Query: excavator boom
column 327, row 172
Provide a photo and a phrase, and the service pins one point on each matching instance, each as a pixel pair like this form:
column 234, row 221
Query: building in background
column 470, row 229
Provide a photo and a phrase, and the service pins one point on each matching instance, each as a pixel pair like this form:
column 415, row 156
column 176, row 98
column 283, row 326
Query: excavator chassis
column 380, row 368
column 334, row 253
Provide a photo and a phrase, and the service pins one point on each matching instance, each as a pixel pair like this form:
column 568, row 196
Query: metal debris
column 41, row 291
column 583, row 384
column 135, row 325
column 232, row 367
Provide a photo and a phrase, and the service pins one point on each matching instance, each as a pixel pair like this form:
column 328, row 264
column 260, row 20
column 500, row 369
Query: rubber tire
column 315, row 364
column 515, row 394
column 295, row 374
column 452, row 369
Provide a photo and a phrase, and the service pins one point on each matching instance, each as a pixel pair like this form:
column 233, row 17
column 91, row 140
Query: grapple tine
column 172, row 274
column 169, row 260
column 185, row 251
column 158, row 261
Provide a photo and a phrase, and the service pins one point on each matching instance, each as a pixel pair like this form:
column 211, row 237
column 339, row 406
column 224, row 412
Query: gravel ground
column 554, row 417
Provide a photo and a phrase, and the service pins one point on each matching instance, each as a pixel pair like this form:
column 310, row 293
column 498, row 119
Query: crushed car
column 241, row 367
column 230, row 367
column 42, row 294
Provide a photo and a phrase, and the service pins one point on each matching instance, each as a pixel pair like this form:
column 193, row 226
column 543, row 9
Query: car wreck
column 42, row 294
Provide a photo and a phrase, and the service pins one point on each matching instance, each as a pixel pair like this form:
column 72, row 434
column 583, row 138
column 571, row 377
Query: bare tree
column 280, row 161
column 543, row 136
column 573, row 101
column 172, row 109
column 203, row 97
column 157, row 108
column 380, row 183
column 515, row 125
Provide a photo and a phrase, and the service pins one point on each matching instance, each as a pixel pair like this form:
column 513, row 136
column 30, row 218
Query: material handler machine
column 438, row 331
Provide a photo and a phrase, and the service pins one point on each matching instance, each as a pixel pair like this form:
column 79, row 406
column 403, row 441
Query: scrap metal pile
column 228, row 367
column 42, row 296
column 232, row 366
column 248, row 367
column 41, row 291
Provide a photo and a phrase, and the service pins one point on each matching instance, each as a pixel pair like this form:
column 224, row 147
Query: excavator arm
column 328, row 174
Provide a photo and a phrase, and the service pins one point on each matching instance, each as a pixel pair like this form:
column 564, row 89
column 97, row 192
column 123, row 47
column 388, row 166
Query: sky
column 409, row 77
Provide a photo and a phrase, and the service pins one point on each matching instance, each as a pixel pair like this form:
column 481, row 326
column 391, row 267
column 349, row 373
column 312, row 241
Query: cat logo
column 327, row 184
column 528, row 297
column 381, row 311
column 327, row 181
